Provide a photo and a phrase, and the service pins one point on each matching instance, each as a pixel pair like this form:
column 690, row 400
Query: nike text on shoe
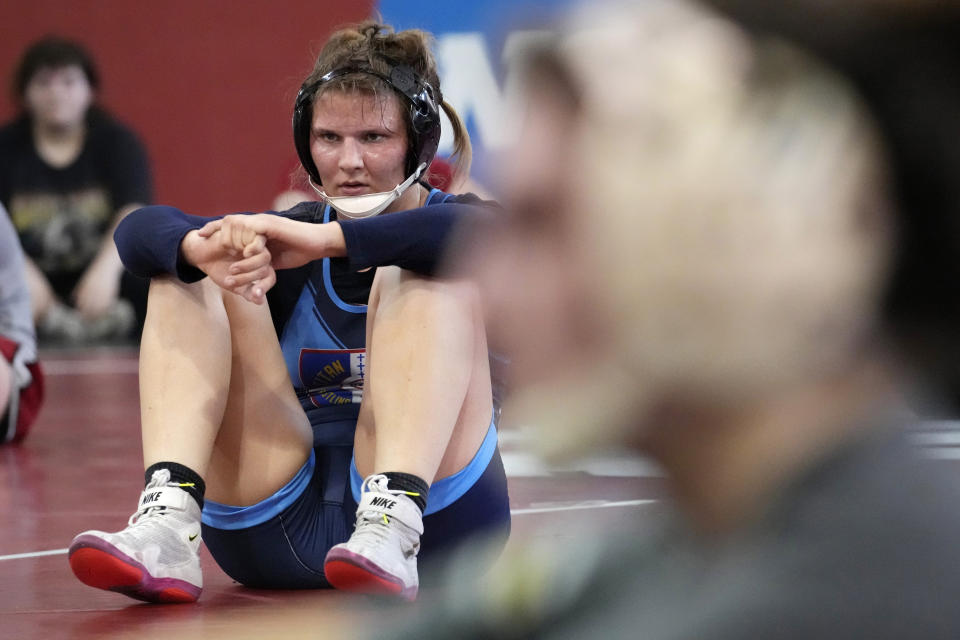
column 156, row 558
column 381, row 555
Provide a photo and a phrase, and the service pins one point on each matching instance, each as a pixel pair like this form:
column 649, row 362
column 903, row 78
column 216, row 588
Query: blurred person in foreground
column 21, row 378
column 69, row 172
column 711, row 258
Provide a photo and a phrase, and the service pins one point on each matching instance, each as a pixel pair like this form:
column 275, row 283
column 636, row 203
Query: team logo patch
column 333, row 376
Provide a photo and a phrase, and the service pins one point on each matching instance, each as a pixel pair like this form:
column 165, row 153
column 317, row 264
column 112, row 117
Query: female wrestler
column 220, row 417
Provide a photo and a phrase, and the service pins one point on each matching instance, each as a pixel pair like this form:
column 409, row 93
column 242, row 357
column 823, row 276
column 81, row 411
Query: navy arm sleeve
column 416, row 240
column 148, row 241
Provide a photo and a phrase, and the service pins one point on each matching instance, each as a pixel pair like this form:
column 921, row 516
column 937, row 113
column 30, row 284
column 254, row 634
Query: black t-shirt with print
column 61, row 214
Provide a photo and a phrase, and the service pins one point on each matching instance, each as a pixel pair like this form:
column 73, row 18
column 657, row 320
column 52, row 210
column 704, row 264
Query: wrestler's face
column 58, row 96
column 358, row 141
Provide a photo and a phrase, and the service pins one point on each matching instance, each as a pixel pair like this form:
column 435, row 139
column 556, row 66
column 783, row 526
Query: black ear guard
column 424, row 114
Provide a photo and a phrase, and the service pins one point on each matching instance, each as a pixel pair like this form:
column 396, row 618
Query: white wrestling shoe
column 381, row 555
column 156, row 558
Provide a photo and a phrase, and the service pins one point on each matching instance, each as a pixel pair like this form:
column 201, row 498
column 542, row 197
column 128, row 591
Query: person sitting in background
column 21, row 378
column 69, row 172
column 748, row 256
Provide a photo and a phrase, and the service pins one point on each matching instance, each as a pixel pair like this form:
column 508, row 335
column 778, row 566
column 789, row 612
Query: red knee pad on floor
column 15, row 423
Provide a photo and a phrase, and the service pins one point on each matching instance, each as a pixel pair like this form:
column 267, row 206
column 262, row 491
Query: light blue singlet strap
column 445, row 492
column 438, row 197
column 328, row 280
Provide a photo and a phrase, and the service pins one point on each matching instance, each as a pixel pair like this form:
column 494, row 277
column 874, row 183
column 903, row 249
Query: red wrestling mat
column 81, row 468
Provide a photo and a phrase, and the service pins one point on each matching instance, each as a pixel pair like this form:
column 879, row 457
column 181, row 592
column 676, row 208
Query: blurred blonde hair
column 738, row 230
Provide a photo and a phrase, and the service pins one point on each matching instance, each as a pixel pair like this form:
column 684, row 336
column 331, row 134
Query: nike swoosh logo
column 194, row 537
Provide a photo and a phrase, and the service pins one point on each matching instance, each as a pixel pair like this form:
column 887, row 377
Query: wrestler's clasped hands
column 253, row 246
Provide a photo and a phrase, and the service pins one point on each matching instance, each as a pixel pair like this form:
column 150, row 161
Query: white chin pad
column 364, row 205
column 368, row 204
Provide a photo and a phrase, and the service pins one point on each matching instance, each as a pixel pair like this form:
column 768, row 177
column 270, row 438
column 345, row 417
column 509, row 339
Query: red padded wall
column 208, row 84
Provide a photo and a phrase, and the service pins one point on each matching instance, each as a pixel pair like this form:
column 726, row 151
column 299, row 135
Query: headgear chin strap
column 367, row 204
column 424, row 114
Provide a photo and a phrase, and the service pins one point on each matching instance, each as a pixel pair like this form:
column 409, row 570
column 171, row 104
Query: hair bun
column 374, row 31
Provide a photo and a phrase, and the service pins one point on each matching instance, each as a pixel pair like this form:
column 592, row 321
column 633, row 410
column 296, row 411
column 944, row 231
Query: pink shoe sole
column 349, row 571
column 99, row 564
